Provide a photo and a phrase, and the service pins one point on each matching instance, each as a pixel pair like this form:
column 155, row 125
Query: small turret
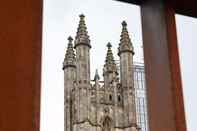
column 110, row 69
column 70, row 59
column 69, row 67
column 96, row 76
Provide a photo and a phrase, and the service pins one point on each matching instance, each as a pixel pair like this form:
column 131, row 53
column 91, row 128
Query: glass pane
column 103, row 23
column 187, row 42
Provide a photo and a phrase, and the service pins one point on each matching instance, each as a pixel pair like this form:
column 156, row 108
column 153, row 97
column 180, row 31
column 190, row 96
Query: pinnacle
column 70, row 54
column 125, row 41
column 70, row 45
column 109, row 57
column 82, row 27
column 96, row 76
column 110, row 64
column 70, row 51
column 82, row 34
column 96, row 72
column 124, row 33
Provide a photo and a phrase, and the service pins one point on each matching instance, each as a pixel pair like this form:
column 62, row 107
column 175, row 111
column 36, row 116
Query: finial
column 109, row 45
column 124, row 23
column 70, row 39
column 81, row 15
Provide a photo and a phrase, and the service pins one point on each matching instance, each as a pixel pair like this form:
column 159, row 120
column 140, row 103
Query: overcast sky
column 187, row 39
column 103, row 19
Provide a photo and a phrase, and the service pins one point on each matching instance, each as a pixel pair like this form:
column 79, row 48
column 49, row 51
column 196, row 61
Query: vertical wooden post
column 163, row 77
column 20, row 72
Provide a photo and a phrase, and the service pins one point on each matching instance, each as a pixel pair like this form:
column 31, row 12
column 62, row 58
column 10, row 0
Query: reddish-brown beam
column 184, row 7
column 175, row 68
column 162, row 69
column 20, row 72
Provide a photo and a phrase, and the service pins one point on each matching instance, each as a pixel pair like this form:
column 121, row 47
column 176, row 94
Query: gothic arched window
column 110, row 97
column 119, row 98
column 107, row 124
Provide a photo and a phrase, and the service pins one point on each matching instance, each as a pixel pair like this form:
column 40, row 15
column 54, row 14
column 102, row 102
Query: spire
column 109, row 57
column 82, row 34
column 96, row 76
column 110, row 62
column 125, row 41
column 69, row 59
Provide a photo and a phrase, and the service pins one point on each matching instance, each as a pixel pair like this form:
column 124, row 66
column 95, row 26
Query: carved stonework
column 107, row 124
column 125, row 42
column 98, row 105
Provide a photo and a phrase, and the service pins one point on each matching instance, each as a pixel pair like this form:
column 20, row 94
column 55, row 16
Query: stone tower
column 69, row 67
column 125, row 52
column 94, row 105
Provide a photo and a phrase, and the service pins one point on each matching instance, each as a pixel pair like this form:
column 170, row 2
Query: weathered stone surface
column 99, row 107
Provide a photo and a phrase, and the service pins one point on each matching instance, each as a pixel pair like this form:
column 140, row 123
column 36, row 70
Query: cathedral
column 94, row 105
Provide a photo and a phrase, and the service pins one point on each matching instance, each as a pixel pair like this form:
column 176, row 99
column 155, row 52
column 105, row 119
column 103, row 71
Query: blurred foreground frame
column 20, row 52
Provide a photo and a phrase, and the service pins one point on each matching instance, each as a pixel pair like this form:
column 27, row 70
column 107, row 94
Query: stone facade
column 101, row 106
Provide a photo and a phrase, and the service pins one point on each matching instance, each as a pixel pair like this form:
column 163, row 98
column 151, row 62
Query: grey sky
column 103, row 20
column 187, row 32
